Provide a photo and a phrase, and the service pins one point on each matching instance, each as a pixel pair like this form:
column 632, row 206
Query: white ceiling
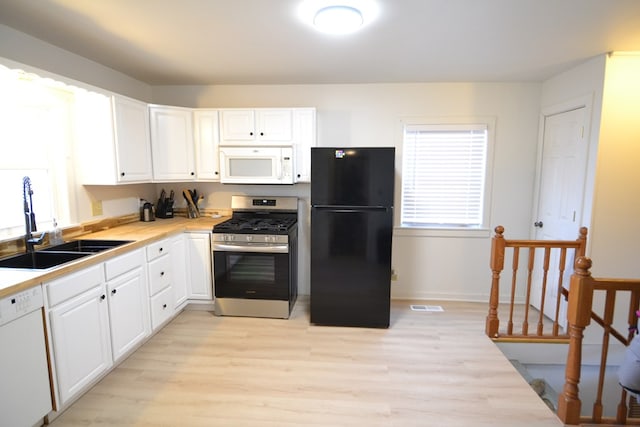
column 195, row 42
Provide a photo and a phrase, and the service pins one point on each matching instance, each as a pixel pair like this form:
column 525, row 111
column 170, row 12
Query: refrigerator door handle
column 347, row 209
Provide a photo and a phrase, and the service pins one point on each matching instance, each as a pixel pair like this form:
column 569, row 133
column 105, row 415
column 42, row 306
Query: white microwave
column 256, row 165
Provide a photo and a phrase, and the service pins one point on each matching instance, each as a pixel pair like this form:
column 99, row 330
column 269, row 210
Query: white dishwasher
column 24, row 372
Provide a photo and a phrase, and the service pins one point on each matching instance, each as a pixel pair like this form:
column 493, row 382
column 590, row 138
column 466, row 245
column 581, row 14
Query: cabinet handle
column 121, row 173
column 261, row 133
column 193, row 173
column 250, row 133
column 102, row 297
column 113, row 292
column 216, row 172
column 298, row 175
column 164, row 305
column 161, row 273
column 160, row 250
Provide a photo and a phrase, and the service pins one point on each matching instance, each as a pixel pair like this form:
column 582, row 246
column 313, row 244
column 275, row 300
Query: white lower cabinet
column 162, row 307
column 80, row 333
column 128, row 312
column 199, row 282
column 179, row 270
column 160, row 265
column 128, row 302
column 99, row 315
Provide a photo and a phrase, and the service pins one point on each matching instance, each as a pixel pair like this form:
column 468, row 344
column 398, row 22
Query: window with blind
column 444, row 175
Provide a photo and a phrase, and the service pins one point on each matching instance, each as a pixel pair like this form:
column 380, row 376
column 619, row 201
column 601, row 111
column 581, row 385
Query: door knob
column 538, row 224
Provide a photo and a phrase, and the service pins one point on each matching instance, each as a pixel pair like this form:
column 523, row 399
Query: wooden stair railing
column 538, row 270
column 580, row 313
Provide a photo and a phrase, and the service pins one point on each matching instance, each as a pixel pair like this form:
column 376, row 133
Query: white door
column 133, row 143
column 128, row 311
column 179, row 270
column 198, row 251
column 172, row 147
column 80, row 334
column 207, row 141
column 560, row 199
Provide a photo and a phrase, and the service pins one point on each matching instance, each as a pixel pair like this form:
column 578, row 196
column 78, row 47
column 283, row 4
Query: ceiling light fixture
column 338, row 16
column 338, row 19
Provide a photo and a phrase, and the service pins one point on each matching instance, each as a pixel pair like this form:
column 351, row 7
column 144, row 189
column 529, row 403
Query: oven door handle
column 278, row 249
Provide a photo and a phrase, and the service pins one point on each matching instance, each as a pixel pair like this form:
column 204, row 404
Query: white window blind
column 443, row 175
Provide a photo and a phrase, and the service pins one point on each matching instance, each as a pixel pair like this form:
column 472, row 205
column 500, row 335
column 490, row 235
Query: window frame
column 435, row 230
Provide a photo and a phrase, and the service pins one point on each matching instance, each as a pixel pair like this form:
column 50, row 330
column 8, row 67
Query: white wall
column 616, row 231
column 369, row 115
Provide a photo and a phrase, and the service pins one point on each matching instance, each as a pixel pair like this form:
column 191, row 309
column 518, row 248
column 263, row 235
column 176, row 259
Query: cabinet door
column 179, row 270
column 94, row 145
column 237, row 125
column 128, row 311
column 160, row 273
column 199, row 282
column 207, row 140
column 274, row 124
column 172, row 144
column 304, row 127
column 133, row 145
column 161, row 307
column 80, row 335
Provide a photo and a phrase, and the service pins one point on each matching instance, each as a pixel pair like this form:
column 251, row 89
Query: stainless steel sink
column 41, row 259
column 86, row 245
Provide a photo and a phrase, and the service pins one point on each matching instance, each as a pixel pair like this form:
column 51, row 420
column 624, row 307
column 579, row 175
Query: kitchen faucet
column 30, row 217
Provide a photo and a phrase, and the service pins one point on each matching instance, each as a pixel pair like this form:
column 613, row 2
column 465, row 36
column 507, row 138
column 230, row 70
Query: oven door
column 251, row 272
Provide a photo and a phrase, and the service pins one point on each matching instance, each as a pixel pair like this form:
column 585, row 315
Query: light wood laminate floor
column 427, row 369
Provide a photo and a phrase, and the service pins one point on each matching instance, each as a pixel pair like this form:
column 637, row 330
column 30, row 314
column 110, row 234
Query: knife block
column 164, row 208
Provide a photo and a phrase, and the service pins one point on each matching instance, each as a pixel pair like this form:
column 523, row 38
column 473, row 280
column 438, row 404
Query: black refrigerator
column 351, row 232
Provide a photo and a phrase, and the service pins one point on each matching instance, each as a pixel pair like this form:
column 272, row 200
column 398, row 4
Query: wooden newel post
column 582, row 239
column 579, row 316
column 497, row 265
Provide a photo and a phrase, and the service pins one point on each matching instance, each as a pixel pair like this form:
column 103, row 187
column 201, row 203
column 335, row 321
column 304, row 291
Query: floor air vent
column 415, row 307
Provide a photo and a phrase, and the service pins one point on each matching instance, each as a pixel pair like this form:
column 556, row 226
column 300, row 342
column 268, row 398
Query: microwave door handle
column 279, row 171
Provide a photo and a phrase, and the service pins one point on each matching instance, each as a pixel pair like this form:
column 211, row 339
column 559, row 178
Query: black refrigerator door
column 351, row 266
column 352, row 176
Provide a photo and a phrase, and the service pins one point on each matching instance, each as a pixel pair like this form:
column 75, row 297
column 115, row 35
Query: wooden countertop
column 14, row 280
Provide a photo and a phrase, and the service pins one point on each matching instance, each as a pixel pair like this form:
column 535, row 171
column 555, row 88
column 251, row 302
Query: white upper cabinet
column 268, row 126
column 112, row 144
column 207, row 140
column 172, row 145
column 133, row 144
column 304, row 130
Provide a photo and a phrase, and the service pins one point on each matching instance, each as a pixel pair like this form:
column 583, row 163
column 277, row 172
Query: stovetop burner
column 260, row 215
column 276, row 225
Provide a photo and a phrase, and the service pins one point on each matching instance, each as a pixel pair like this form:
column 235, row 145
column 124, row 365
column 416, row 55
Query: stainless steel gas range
column 255, row 257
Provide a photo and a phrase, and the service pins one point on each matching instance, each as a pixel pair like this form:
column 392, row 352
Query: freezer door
column 352, row 176
column 351, row 266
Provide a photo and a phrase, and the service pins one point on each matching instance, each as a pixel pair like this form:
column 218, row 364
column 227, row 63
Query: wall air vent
column 435, row 308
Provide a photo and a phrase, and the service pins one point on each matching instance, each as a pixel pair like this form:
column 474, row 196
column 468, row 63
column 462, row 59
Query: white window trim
column 480, row 231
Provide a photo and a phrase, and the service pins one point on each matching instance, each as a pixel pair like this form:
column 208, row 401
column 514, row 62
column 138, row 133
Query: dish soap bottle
column 56, row 234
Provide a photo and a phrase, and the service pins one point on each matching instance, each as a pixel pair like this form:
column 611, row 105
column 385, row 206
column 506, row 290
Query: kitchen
column 363, row 114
